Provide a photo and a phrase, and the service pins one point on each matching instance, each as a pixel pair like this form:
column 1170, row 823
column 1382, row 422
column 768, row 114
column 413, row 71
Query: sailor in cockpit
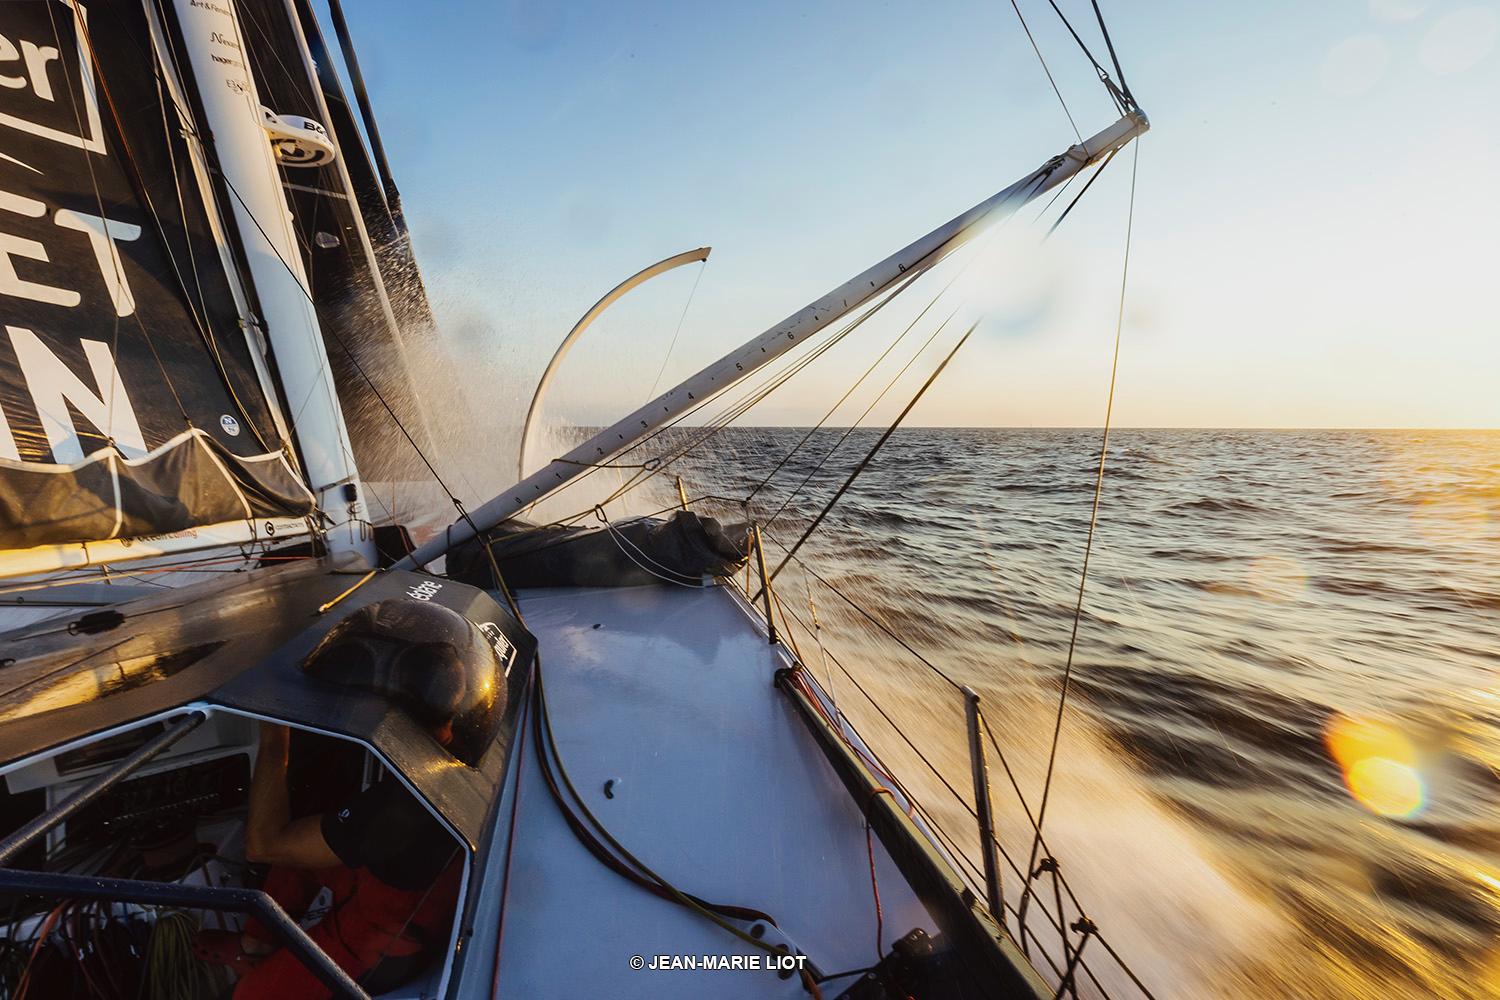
column 392, row 869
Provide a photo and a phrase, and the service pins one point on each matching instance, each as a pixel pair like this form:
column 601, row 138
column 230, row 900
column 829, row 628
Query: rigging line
column 735, row 410
column 727, row 416
column 1109, row 44
column 352, row 359
column 864, row 462
column 858, row 420
column 1115, row 93
column 317, row 379
column 1054, row 921
column 1053, row 200
column 1082, row 191
column 868, row 615
column 812, row 610
column 894, row 288
column 1062, row 701
column 891, row 722
column 1031, row 820
column 977, row 883
column 857, row 383
column 898, row 286
column 840, row 402
column 702, row 266
column 746, row 403
column 206, row 329
column 959, row 798
column 791, row 635
column 1027, row 28
column 1069, row 25
column 189, row 126
column 265, row 37
column 776, row 379
column 977, row 253
column 213, row 199
column 754, row 396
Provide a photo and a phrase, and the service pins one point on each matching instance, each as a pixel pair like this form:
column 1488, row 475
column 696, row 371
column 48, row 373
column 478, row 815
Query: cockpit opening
column 315, row 821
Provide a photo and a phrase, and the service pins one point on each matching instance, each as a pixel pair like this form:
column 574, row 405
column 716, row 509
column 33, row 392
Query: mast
column 372, row 131
column 778, row 340
column 217, row 59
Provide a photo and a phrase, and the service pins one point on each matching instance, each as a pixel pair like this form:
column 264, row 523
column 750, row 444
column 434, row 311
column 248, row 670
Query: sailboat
column 212, row 316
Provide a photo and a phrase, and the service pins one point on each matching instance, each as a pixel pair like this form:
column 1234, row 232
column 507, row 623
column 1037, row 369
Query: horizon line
column 1095, row 427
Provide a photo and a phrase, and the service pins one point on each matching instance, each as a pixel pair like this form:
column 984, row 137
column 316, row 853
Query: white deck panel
column 718, row 786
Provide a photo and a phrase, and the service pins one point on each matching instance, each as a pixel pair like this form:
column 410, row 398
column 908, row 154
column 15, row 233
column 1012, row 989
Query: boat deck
column 667, row 692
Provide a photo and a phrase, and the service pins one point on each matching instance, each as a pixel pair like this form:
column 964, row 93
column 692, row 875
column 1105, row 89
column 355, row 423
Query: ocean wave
column 1244, row 586
column 1216, row 505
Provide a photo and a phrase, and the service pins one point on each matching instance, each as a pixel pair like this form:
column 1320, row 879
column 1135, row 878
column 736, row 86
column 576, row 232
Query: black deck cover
column 681, row 549
column 241, row 646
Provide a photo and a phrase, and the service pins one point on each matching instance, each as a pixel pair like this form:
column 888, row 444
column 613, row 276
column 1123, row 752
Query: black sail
column 369, row 297
column 129, row 399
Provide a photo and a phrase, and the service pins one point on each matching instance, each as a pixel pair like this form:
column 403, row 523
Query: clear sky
column 1315, row 228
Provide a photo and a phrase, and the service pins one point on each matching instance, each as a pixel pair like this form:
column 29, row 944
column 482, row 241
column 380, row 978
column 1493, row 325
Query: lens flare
column 1380, row 766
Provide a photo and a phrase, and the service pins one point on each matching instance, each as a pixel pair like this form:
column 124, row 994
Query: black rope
column 580, row 820
column 1069, row 25
column 1122, row 102
column 869, row 456
column 1109, row 44
column 626, row 864
column 842, row 399
column 854, row 425
column 1082, row 191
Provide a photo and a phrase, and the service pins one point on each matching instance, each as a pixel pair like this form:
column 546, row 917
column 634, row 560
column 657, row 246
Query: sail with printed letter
column 130, row 401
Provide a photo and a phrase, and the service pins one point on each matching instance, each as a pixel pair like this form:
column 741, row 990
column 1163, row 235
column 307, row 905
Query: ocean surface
column 1279, row 769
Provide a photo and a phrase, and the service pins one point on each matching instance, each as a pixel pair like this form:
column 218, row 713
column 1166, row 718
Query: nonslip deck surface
column 667, row 693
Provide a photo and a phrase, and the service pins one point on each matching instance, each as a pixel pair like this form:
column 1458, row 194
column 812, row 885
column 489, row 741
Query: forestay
column 130, row 403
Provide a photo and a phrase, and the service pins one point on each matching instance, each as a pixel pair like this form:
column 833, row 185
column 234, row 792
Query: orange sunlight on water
column 1380, row 765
